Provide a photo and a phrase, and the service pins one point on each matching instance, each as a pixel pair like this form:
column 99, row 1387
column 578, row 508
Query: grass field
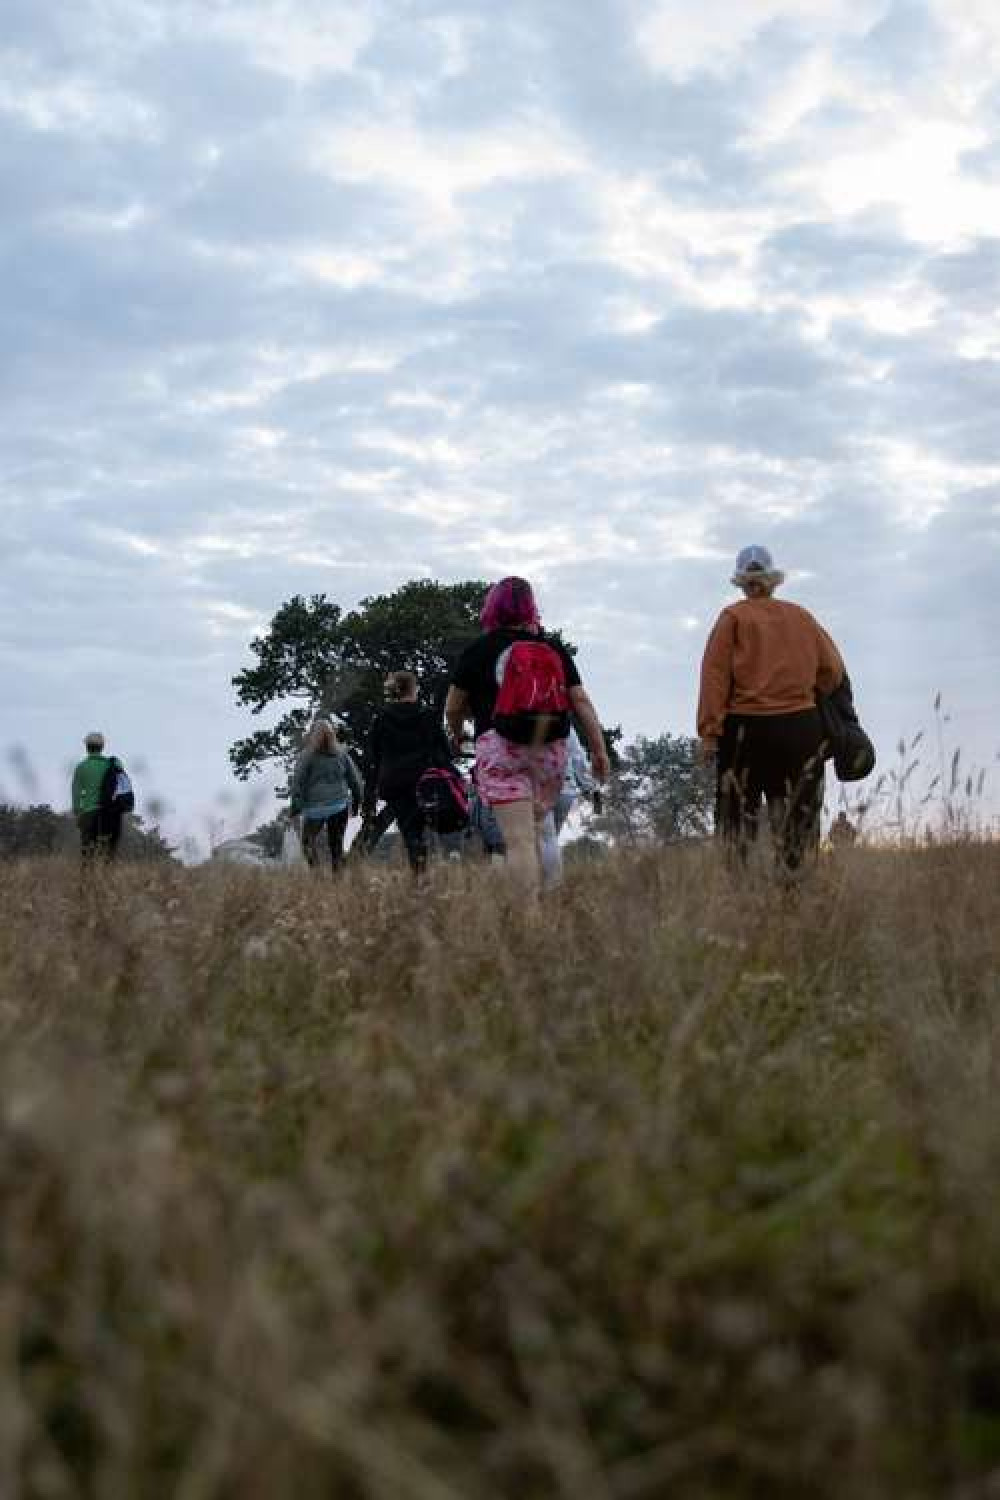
column 318, row 1192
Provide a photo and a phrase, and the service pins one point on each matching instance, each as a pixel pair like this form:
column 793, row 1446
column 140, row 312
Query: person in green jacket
column 98, row 833
column 326, row 789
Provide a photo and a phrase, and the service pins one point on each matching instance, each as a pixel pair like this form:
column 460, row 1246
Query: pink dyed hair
column 510, row 603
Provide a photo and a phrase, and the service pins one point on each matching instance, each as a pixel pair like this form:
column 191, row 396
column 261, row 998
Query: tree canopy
column 660, row 793
column 317, row 659
column 270, row 837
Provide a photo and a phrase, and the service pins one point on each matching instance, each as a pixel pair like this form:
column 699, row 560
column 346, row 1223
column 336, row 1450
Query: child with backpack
column 102, row 795
column 520, row 687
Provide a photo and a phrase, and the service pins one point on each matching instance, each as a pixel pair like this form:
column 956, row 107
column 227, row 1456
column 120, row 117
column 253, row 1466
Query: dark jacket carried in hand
column 403, row 741
column 845, row 742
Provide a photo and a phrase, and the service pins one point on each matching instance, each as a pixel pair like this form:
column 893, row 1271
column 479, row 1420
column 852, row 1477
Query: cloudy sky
column 305, row 296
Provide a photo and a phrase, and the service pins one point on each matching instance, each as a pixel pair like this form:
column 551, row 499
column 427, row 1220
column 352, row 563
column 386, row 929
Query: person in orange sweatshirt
column 764, row 663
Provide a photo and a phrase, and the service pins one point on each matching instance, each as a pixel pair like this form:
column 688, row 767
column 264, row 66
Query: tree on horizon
column 660, row 793
column 316, row 659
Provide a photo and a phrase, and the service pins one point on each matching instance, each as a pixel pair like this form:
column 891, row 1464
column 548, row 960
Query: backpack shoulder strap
column 106, row 790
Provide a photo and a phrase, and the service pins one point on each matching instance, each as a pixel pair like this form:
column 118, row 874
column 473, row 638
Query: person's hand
column 708, row 748
column 599, row 764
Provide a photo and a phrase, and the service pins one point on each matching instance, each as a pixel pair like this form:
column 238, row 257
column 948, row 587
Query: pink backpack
column 443, row 798
column 532, row 705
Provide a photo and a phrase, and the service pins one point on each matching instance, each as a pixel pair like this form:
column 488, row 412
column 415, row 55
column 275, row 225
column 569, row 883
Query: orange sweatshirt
column 764, row 656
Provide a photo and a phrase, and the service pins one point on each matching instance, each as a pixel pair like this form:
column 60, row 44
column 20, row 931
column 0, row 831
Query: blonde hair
column 323, row 737
column 764, row 579
column 759, row 586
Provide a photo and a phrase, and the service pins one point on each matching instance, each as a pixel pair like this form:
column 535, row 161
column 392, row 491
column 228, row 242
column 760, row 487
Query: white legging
column 549, row 850
column 529, row 834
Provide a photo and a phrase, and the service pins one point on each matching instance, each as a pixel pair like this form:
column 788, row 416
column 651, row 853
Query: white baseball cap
column 755, row 564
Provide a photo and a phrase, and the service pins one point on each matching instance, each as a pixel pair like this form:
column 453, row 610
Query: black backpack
column 117, row 792
column 845, row 742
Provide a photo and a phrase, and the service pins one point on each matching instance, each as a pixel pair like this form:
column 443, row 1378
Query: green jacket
column 321, row 779
column 87, row 779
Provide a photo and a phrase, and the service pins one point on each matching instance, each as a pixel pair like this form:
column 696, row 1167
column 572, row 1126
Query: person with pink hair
column 521, row 688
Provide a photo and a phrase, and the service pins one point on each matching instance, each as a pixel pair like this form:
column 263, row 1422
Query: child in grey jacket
column 326, row 789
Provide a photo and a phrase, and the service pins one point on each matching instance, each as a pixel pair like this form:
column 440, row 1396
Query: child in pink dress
column 521, row 782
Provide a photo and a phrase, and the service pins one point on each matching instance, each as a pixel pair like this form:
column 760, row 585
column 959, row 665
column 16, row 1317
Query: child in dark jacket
column 405, row 738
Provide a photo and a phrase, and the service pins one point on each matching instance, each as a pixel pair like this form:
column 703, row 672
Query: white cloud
column 73, row 104
column 681, row 39
column 127, row 540
column 440, row 167
column 913, row 168
column 303, row 39
column 974, row 29
column 307, row 296
column 919, row 484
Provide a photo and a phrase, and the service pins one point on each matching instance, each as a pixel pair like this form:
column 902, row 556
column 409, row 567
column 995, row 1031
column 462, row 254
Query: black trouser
column 336, row 827
column 400, row 808
column 100, row 833
column 374, row 825
column 776, row 758
column 412, row 824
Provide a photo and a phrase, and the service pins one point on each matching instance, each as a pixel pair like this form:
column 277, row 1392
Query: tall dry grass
column 684, row 1189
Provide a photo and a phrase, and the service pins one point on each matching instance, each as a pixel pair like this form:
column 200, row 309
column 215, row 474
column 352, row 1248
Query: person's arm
column 579, row 764
column 441, row 745
column 716, row 681
column 830, row 670
column 457, row 710
column 372, row 757
column 296, row 796
column 354, row 782
column 586, row 715
column 77, row 789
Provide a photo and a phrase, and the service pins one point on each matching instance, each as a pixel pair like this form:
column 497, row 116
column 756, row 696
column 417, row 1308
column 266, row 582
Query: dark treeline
column 27, row 832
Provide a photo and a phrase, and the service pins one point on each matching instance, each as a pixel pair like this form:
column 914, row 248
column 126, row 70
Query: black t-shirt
column 475, row 672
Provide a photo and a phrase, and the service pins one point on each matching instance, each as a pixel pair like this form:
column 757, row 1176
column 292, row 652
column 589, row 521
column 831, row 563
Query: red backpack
column 532, row 705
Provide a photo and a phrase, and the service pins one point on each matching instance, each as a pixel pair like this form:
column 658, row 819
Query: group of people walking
column 774, row 704
column 768, row 669
column 527, row 759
